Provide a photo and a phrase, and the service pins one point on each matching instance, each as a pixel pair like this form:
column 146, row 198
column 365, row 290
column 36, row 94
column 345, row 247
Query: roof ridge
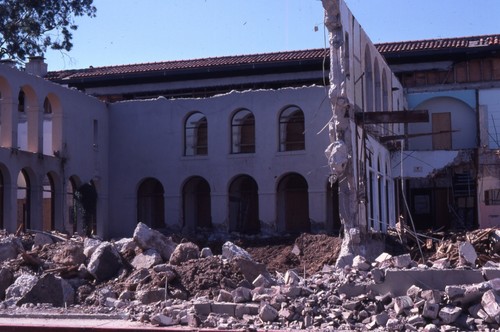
column 440, row 39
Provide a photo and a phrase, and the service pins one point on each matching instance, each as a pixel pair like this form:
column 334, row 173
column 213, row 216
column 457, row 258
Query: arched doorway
column 74, row 212
column 48, row 203
column 87, row 200
column 333, row 224
column 150, row 203
column 244, row 205
column 293, row 204
column 23, row 200
column 196, row 203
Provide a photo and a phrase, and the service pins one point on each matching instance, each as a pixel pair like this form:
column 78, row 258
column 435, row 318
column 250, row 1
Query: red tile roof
column 140, row 68
column 438, row 44
column 269, row 58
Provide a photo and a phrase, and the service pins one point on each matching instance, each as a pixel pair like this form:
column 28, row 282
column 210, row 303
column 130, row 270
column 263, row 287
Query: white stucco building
column 232, row 143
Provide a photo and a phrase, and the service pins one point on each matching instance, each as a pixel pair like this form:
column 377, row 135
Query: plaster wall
column 489, row 102
column 85, row 156
column 461, row 105
column 147, row 141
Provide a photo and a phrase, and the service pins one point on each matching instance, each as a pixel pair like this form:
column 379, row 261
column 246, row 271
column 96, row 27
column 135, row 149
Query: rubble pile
column 152, row 279
column 485, row 243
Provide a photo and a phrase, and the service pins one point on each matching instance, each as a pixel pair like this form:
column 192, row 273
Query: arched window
column 22, row 122
column 368, row 82
column 378, row 86
column 150, row 203
column 196, row 135
column 47, row 127
column 291, row 129
column 243, row 132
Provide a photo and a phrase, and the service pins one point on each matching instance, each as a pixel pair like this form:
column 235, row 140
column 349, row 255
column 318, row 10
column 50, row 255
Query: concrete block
column 223, row 308
column 491, row 305
column 261, row 281
column 467, row 254
column 202, row 308
column 267, row 313
column 491, row 273
column 224, row 296
column 360, row 263
column 449, row 314
column 352, row 289
column 413, row 291
column 416, row 320
column 431, row 295
column 430, row 310
column 378, row 275
column 397, row 282
column 401, row 303
column 382, row 318
column 402, row 261
column 246, row 309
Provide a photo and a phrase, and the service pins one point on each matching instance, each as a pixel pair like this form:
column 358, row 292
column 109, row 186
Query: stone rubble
column 150, row 278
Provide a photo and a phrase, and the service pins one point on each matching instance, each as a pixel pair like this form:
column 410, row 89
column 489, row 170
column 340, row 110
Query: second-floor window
column 196, row 135
column 291, row 129
column 243, row 132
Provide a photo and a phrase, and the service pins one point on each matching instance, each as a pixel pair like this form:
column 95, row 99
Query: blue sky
column 136, row 31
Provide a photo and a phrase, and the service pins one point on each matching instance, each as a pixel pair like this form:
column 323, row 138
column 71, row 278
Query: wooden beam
column 384, row 139
column 392, row 117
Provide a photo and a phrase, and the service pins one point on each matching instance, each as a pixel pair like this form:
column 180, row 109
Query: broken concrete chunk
column 449, row 314
column 147, row 238
column 9, row 248
column 267, row 313
column 430, row 310
column 6, row 279
column 184, row 252
column 124, row 245
column 150, row 295
column 431, row 295
column 224, row 296
column 40, row 239
column 104, row 262
column 251, row 269
column 491, row 305
column 360, row 263
column 47, row 289
column 21, row 286
column 291, row 278
column 382, row 318
column 147, row 259
column 401, row 303
column 162, row 320
column 442, row 263
column 378, row 275
column 261, row 281
column 206, row 252
column 413, row 291
column 242, row 294
column 89, row 245
column 231, row 250
column 402, row 261
column 467, row 254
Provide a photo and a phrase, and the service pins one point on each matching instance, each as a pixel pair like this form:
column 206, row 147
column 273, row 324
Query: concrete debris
column 147, row 238
column 235, row 291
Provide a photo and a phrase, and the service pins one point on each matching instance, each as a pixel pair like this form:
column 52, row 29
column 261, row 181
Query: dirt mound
column 312, row 251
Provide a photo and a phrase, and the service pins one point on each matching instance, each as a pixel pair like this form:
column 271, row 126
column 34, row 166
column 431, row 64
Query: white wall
column 147, row 141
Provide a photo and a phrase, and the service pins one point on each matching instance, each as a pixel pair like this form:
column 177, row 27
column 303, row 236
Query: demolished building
column 237, row 144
